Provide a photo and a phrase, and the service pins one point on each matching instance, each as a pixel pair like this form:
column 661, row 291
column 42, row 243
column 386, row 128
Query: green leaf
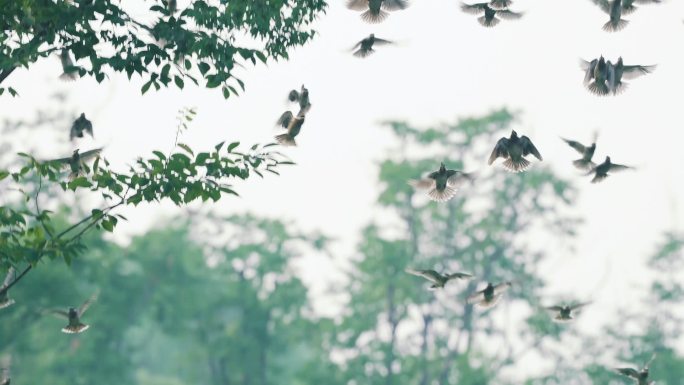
column 146, row 87
column 179, row 82
column 186, row 148
column 203, row 67
column 232, row 146
column 4, row 174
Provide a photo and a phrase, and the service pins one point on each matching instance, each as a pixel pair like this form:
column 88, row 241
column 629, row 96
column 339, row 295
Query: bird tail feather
column 6, row 303
column 285, row 140
column 488, row 22
column 598, row 88
column 364, row 52
column 614, row 26
column 373, row 17
column 77, row 328
column 599, row 177
column 519, row 165
column 442, row 195
column 68, row 76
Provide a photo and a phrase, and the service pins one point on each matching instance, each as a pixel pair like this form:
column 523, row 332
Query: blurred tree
column 195, row 39
column 394, row 331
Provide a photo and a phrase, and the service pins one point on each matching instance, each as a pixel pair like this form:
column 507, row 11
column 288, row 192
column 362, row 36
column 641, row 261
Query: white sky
column 447, row 66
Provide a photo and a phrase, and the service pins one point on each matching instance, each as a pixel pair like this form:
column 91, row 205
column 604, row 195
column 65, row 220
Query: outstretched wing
column 357, row 5
column 500, row 150
column 474, row 9
column 87, row 303
column 502, row 287
column 423, row 184
column 430, row 275
column 59, row 313
column 8, row 277
column 508, row 14
column 460, row 275
column 86, row 156
column 528, row 147
column 579, row 147
column 476, row 297
column 395, row 5
column 631, row 72
column 578, row 306
column 619, row 167
column 285, row 119
column 603, row 4
column 554, row 308
column 457, row 178
column 378, row 41
column 629, row 372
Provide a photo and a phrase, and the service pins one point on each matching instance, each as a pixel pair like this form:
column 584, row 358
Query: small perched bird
column 500, row 4
column 74, row 316
column 584, row 163
column 490, row 14
column 490, row 295
column 5, row 300
column 441, row 185
column 301, row 97
column 69, row 73
column 514, row 150
column 76, row 160
column 438, row 280
column 640, row 377
column 618, row 71
column 293, row 124
column 375, row 11
column 601, row 171
column 81, row 125
column 365, row 46
column 564, row 313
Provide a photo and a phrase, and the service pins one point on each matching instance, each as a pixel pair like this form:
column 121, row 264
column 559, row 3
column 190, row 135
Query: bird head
column 619, row 61
column 607, row 159
column 75, row 152
column 442, row 167
column 72, row 312
column 372, row 36
column 602, row 60
column 82, row 115
column 514, row 134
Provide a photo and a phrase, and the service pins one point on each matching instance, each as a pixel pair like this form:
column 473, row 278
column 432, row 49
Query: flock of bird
column 602, row 77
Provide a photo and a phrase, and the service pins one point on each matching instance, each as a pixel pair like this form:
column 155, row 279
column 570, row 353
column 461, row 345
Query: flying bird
column 640, row 377
column 375, row 11
column 616, row 72
column 587, row 152
column 76, row 161
column 490, row 295
column 74, row 316
column 301, row 97
column 489, row 19
column 5, row 300
column 513, row 150
column 616, row 22
column 441, row 185
column 69, row 73
column 438, row 280
column 293, row 124
column 596, row 75
column 601, row 171
column 565, row 313
column 81, row 125
column 365, row 47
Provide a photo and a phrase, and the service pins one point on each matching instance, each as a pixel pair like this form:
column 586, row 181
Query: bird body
column 5, row 300
column 601, row 171
column 365, row 47
column 438, row 280
column 74, row 315
column 513, row 150
column 584, row 163
column 565, row 313
column 81, row 125
column 76, row 160
column 69, row 73
column 441, row 185
column 490, row 295
column 375, row 11
column 616, row 22
column 293, row 125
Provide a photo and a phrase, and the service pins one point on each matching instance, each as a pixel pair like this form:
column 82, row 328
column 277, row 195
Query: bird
column 69, row 73
column 564, row 313
column 76, row 161
column 5, row 300
column 81, row 125
column 616, row 22
column 640, row 377
column 74, row 316
column 616, row 72
column 601, row 171
column 375, row 11
column 438, row 280
column 441, row 185
column 514, row 149
column 293, row 124
column 172, row 6
column 596, row 75
column 365, row 47
column 584, row 163
column 301, row 97
column 490, row 14
column 490, row 295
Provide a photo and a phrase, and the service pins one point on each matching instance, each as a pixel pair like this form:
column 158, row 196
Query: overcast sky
column 446, row 66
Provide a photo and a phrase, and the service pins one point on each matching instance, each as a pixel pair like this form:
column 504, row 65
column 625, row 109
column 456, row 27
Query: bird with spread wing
column 74, row 316
column 514, row 149
column 438, row 280
column 441, row 185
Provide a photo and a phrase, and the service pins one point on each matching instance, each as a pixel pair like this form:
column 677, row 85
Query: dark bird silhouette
column 587, row 152
column 375, row 11
column 601, row 171
column 76, row 161
column 69, row 72
column 640, row 377
column 616, row 22
column 596, row 76
column 438, row 280
column 564, row 313
column 172, row 6
column 365, row 46
column 80, row 126
column 441, row 185
column 5, row 300
column 74, row 316
column 490, row 295
column 618, row 71
column 301, row 97
column 489, row 19
column 514, row 150
column 293, row 125
column 628, row 6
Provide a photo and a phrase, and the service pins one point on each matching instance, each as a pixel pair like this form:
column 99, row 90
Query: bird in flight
column 640, row 377
column 490, row 295
column 5, row 300
column 601, row 171
column 438, row 280
column 76, row 161
column 604, row 78
column 441, row 185
column 376, row 11
column 69, row 72
column 74, row 316
column 587, row 152
column 564, row 313
column 293, row 125
column 80, row 126
column 489, row 18
column 513, row 150
column 301, row 97
column 364, row 47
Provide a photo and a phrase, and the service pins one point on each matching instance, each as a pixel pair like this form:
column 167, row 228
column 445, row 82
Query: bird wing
column 631, row 72
column 87, row 303
column 653, row 356
column 474, row 9
column 603, row 4
column 502, row 287
column 500, row 150
column 378, row 41
column 395, row 5
column 629, row 372
column 588, row 67
column 554, row 308
column 284, row 119
column 578, row 306
column 619, row 167
column 476, row 297
column 88, row 127
column 59, row 313
column 86, row 156
column 293, row 96
column 508, row 14
column 423, row 184
column 357, row 5
column 457, row 178
column 74, row 130
column 528, row 147
column 430, row 275
column 8, row 278
column 579, row 147
column 459, row 275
